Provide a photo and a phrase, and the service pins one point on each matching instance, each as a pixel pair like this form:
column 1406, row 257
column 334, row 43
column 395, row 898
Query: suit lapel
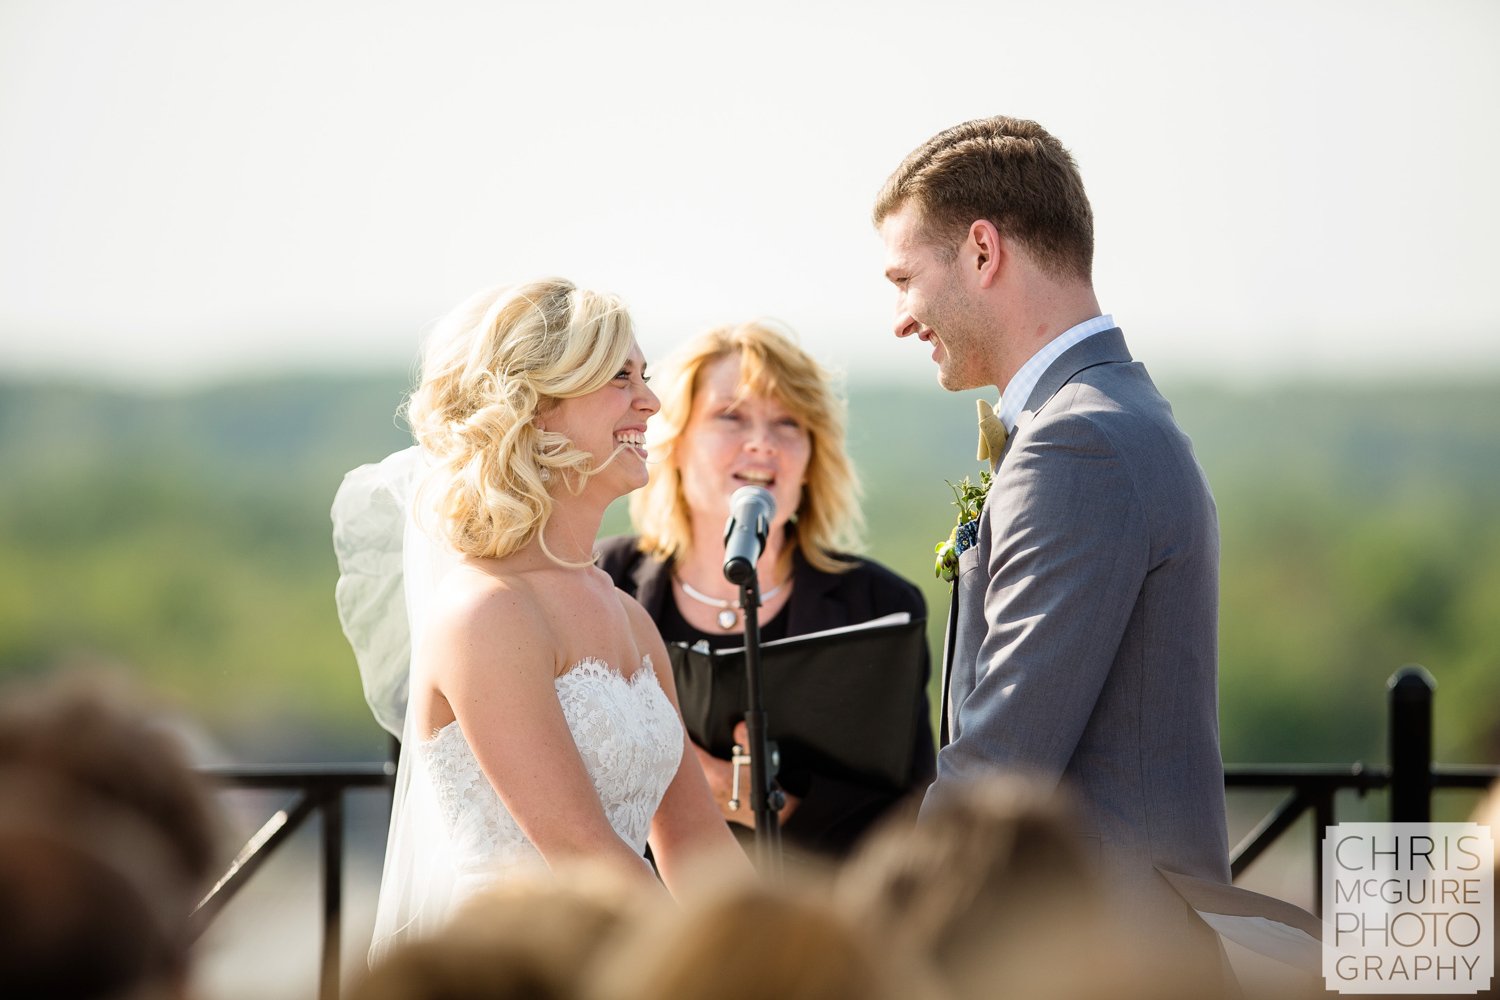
column 949, row 635
column 1106, row 347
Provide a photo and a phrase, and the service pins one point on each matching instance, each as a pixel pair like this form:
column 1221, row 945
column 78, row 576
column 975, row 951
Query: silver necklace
column 729, row 611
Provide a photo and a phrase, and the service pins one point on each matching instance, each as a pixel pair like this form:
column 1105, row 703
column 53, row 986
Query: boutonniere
column 969, row 499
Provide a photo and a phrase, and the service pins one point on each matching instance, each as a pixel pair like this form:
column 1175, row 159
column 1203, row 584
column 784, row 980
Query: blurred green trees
column 185, row 537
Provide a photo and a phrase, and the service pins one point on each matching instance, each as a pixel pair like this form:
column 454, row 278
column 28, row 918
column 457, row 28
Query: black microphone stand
column 766, row 800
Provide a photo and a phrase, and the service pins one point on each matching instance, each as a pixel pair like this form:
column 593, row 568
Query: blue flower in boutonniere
column 969, row 499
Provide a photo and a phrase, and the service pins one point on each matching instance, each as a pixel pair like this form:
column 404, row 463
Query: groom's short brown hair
column 1009, row 171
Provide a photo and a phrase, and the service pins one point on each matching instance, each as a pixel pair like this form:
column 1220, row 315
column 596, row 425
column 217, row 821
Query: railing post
column 1322, row 819
column 333, row 903
column 1410, row 692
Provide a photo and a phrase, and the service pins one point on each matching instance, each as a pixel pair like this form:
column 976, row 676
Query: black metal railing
column 317, row 789
column 1410, row 776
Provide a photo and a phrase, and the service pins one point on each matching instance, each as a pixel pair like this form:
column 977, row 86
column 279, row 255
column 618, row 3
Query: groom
column 1083, row 650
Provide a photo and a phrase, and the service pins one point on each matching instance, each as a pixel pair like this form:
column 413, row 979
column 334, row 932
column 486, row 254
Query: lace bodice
column 631, row 742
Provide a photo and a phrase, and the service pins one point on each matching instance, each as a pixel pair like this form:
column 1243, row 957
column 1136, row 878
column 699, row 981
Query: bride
column 541, row 722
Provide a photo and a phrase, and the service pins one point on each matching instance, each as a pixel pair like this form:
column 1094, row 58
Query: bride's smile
column 610, row 424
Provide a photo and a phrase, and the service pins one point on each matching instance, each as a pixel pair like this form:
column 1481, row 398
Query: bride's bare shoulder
column 487, row 599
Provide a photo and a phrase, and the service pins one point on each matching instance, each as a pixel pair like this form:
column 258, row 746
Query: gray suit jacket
column 1084, row 648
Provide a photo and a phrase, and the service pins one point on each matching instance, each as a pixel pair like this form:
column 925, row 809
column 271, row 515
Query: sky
column 195, row 191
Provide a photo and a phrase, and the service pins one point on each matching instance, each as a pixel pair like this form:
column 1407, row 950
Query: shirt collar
column 1018, row 389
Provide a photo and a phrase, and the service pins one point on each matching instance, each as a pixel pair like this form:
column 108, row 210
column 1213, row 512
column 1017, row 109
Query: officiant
column 745, row 405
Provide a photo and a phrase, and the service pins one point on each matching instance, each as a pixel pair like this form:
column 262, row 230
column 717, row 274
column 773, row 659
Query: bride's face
column 609, row 419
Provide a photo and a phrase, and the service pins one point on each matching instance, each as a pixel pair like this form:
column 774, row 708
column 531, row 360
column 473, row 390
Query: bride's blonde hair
column 489, row 368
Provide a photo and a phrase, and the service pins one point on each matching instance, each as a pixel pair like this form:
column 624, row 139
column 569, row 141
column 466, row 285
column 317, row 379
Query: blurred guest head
column 1488, row 814
column 91, row 896
column 744, row 405
column 755, row 941
column 95, row 734
column 528, row 939
column 981, row 866
column 995, row 889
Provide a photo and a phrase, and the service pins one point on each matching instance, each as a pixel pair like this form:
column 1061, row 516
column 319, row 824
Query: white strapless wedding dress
column 451, row 836
column 630, row 739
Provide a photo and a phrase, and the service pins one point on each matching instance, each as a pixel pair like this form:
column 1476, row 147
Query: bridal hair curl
column 773, row 366
column 490, row 367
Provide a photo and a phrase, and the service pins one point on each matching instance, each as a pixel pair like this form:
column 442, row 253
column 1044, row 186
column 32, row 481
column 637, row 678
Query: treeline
column 184, row 538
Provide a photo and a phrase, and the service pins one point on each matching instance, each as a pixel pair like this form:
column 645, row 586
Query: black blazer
column 834, row 811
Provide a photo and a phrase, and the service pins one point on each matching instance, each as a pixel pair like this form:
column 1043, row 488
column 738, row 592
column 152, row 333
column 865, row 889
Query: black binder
column 845, row 701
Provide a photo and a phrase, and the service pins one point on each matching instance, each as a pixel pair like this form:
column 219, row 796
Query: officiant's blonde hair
column 490, row 367
column 772, row 366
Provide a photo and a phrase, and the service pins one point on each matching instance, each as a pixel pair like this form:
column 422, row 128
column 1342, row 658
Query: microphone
column 750, row 511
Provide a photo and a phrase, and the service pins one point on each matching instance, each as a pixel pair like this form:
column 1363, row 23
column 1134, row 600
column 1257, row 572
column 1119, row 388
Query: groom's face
column 932, row 302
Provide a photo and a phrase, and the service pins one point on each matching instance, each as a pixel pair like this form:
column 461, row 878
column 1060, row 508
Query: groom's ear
column 986, row 251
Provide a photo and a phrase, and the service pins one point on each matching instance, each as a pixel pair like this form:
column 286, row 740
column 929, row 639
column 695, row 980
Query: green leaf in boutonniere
column 969, row 499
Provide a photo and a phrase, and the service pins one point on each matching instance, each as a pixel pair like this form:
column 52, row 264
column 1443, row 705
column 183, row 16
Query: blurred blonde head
column 1488, row 814
column 772, row 366
column 489, row 368
column 752, row 941
column 997, row 893
column 529, row 938
column 985, row 862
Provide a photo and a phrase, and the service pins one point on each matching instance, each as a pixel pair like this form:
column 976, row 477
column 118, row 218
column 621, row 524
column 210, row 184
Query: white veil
column 388, row 571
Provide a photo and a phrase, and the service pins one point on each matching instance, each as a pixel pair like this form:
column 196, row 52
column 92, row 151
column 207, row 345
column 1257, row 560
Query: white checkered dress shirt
column 1018, row 389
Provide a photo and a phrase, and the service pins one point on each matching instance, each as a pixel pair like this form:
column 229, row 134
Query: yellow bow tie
column 991, row 435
